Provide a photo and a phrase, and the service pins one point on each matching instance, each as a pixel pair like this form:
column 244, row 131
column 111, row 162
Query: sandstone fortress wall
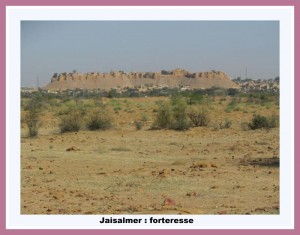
column 107, row 81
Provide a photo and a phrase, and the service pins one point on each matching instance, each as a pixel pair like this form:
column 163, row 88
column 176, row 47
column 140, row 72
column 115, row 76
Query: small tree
column 32, row 120
column 32, row 116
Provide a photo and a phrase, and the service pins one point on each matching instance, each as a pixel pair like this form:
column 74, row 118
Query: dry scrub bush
column 198, row 116
column 180, row 121
column 226, row 125
column 138, row 125
column 259, row 121
column 172, row 115
column 71, row 121
column 163, row 117
column 99, row 120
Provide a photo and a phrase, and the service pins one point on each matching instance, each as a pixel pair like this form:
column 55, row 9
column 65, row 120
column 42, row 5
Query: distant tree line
column 132, row 92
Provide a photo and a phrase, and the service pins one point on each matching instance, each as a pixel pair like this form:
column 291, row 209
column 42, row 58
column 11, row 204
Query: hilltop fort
column 143, row 80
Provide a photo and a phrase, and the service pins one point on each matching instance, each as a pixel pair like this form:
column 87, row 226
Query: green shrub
column 259, row 121
column 32, row 116
column 172, row 115
column 179, row 119
column 198, row 116
column 32, row 120
column 164, row 115
column 71, row 121
column 99, row 120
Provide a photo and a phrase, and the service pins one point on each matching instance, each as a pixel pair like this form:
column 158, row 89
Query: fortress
column 120, row 79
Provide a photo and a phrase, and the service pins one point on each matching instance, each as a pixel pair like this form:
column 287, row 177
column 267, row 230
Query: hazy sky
column 49, row 47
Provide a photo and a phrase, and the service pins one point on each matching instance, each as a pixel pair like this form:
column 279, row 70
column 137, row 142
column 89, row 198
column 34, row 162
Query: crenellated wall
column 176, row 77
column 136, row 75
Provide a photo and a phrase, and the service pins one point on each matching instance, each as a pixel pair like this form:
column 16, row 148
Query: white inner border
column 15, row 14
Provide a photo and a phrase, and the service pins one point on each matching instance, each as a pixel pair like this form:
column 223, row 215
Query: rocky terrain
column 106, row 81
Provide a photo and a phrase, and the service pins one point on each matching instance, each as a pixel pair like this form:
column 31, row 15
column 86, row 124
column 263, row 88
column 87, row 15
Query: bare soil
column 204, row 170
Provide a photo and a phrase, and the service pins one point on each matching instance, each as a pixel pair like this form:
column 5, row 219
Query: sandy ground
column 129, row 171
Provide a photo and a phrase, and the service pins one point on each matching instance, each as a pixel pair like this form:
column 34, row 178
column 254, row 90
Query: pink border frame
column 4, row 3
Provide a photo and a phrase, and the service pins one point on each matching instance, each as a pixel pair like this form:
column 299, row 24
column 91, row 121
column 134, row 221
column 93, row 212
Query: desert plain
column 138, row 170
